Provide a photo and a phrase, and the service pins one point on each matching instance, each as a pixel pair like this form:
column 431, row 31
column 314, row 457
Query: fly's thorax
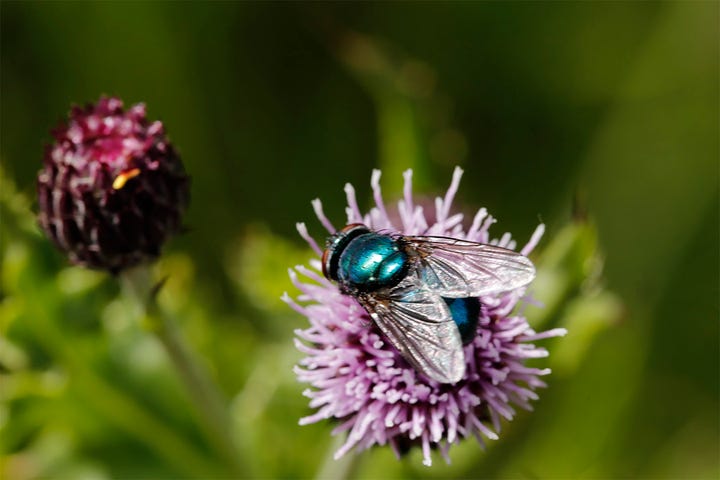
column 371, row 261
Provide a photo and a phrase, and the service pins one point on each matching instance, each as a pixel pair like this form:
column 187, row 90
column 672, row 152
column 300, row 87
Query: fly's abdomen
column 372, row 261
column 466, row 314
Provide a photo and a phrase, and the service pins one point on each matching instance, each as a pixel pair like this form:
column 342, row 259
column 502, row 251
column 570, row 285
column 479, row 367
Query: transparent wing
column 418, row 324
column 458, row 268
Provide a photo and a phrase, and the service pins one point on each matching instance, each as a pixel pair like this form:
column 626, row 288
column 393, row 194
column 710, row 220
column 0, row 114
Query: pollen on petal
column 122, row 179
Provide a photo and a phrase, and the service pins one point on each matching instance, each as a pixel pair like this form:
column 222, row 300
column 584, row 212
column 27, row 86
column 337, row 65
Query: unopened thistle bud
column 112, row 188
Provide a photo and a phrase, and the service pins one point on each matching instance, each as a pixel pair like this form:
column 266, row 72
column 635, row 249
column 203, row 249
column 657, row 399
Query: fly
column 422, row 291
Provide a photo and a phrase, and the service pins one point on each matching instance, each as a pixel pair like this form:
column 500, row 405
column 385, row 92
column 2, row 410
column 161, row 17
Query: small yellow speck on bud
column 122, row 179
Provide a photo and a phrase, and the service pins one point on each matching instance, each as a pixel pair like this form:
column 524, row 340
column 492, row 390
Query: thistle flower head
column 360, row 380
column 112, row 188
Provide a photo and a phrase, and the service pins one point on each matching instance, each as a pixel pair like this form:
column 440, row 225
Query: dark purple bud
column 112, row 188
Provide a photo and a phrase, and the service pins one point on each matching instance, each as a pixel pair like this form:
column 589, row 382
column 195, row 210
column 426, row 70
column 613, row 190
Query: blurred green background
column 611, row 106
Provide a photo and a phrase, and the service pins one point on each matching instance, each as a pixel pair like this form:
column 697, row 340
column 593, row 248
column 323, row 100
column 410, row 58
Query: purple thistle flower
column 361, row 381
column 112, row 188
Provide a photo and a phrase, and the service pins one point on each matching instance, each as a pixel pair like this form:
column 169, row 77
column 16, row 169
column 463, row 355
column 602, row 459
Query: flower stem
column 343, row 468
column 210, row 405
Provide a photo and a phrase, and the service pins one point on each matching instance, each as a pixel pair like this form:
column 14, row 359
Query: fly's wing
column 458, row 268
column 418, row 324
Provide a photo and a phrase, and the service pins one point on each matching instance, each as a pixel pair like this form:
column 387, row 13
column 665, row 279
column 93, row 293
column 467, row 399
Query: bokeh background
column 598, row 118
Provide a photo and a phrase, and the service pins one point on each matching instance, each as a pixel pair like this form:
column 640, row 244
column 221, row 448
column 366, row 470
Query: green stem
column 117, row 407
column 210, row 405
column 344, row 468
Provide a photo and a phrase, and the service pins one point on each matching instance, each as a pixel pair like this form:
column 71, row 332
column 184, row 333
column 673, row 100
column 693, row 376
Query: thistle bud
column 112, row 188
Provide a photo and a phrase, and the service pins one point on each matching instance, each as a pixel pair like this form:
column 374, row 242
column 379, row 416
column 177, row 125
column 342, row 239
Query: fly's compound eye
column 336, row 243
